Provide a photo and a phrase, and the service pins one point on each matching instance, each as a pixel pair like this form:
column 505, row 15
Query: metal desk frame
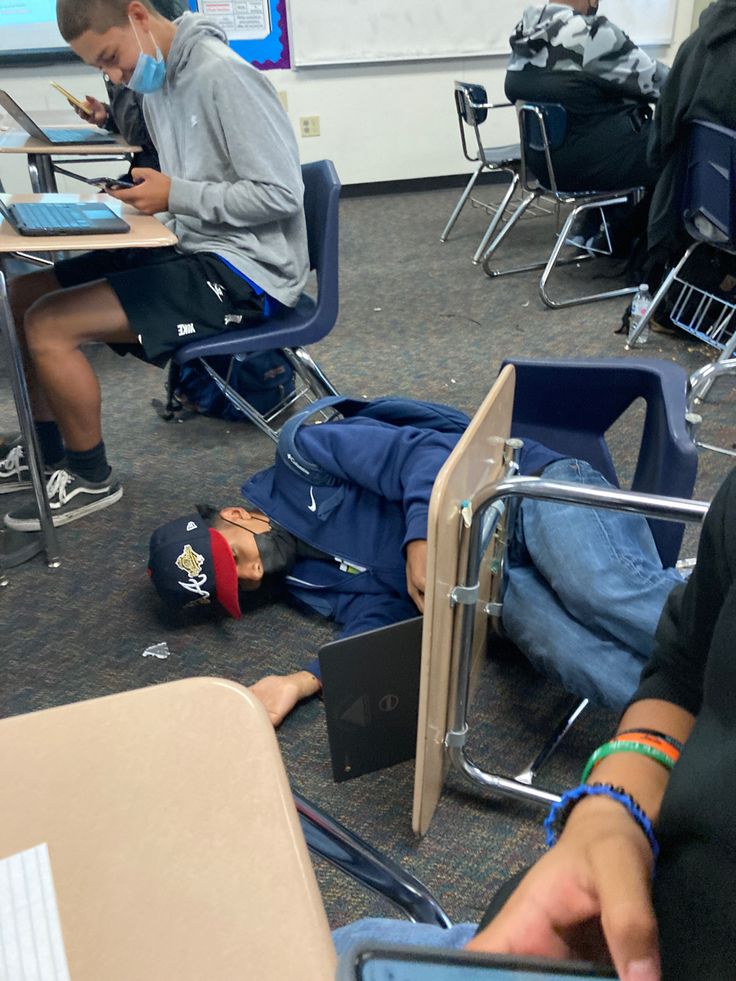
column 487, row 501
column 47, row 542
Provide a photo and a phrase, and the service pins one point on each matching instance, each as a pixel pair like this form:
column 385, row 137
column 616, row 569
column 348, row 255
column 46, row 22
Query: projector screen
column 28, row 32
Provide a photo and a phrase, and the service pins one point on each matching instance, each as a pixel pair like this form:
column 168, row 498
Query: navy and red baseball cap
column 191, row 564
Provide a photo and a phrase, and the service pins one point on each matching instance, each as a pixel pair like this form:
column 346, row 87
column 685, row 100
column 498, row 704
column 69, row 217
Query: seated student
column 341, row 521
column 700, row 86
column 124, row 112
column 659, row 903
column 567, row 53
column 231, row 190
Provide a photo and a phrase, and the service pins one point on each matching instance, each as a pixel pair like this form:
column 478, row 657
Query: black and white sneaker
column 14, row 472
column 71, row 497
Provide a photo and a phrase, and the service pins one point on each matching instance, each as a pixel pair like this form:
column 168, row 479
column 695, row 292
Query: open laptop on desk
column 63, row 218
column 57, row 136
column 370, row 687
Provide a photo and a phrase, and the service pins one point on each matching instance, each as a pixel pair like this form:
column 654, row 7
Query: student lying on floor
column 340, row 521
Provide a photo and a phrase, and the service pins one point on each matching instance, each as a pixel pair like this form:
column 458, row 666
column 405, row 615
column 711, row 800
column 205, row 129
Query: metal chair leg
column 310, row 371
column 529, row 267
column 497, row 218
column 553, row 261
column 726, row 358
column 462, row 202
column 659, row 296
column 698, row 386
column 47, row 541
column 515, row 216
column 573, row 713
column 329, row 839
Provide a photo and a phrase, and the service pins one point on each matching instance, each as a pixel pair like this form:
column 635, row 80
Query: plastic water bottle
column 639, row 307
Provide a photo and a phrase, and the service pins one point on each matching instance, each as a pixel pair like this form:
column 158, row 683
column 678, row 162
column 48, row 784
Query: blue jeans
column 585, row 590
column 385, row 931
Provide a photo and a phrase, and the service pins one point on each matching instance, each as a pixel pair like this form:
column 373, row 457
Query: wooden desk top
column 18, row 141
column 146, row 232
column 175, row 846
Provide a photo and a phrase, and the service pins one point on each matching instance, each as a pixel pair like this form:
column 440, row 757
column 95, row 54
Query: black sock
column 91, row 464
column 50, row 442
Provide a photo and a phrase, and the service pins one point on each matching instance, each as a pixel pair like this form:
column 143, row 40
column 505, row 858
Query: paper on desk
column 31, row 944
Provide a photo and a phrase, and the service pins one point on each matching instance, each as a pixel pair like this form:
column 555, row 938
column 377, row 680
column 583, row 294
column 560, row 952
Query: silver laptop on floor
column 56, row 136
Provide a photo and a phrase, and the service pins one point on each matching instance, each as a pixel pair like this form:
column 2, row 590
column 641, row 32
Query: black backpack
column 262, row 379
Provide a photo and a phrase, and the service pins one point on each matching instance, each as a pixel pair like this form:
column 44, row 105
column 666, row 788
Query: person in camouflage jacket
column 568, row 53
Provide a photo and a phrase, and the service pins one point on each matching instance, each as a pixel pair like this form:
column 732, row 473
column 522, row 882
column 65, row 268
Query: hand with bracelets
column 589, row 896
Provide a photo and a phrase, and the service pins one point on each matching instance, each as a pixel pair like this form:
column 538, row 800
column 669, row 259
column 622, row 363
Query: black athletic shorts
column 169, row 298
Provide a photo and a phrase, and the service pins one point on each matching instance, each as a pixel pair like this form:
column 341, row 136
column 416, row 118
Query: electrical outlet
column 309, row 125
column 284, row 98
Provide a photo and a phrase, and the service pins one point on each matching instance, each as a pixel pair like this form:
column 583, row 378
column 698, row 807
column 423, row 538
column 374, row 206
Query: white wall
column 377, row 122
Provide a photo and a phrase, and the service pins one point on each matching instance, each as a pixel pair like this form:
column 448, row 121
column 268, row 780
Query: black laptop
column 370, row 687
column 63, row 218
column 56, row 136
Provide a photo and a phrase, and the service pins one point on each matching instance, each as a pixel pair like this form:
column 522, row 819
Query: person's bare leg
column 55, row 327
column 23, row 292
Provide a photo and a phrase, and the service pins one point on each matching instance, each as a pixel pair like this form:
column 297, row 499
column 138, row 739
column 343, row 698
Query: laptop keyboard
column 75, row 136
column 50, row 215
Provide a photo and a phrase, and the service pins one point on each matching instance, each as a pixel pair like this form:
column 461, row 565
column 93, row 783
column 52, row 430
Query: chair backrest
column 470, row 104
column 542, row 128
column 322, row 209
column 569, row 406
column 710, row 188
column 470, row 99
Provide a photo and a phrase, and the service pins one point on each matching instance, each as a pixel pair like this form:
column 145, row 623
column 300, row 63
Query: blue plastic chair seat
column 276, row 332
column 503, row 155
column 570, row 405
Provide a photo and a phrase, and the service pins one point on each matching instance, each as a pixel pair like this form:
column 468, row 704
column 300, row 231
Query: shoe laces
column 58, row 483
column 13, row 460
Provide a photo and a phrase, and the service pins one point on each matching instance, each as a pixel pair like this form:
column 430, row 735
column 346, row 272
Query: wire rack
column 707, row 316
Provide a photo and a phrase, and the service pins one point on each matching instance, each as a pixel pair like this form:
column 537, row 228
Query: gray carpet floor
column 417, row 318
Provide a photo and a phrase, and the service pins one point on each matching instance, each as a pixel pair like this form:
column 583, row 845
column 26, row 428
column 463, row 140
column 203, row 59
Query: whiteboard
column 339, row 32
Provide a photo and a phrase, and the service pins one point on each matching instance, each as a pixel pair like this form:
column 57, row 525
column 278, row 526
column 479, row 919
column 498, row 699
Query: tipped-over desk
column 146, row 232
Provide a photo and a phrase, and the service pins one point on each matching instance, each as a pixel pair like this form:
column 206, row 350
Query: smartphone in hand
column 110, row 183
column 104, row 183
column 82, row 106
column 368, row 962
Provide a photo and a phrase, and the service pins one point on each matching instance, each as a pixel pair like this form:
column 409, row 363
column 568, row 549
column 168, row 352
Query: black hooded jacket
column 701, row 85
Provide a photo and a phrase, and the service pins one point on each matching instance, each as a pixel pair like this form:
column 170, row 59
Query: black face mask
column 277, row 549
column 591, row 11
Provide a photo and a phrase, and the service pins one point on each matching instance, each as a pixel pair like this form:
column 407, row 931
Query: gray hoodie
column 226, row 143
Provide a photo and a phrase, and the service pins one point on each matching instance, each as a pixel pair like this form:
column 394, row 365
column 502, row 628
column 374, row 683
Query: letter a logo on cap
column 191, row 526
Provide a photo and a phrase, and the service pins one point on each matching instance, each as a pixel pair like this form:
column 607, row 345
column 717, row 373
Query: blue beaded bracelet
column 560, row 811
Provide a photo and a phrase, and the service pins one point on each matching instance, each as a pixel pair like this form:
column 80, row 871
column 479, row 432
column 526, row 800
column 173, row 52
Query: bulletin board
column 335, row 32
column 256, row 29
